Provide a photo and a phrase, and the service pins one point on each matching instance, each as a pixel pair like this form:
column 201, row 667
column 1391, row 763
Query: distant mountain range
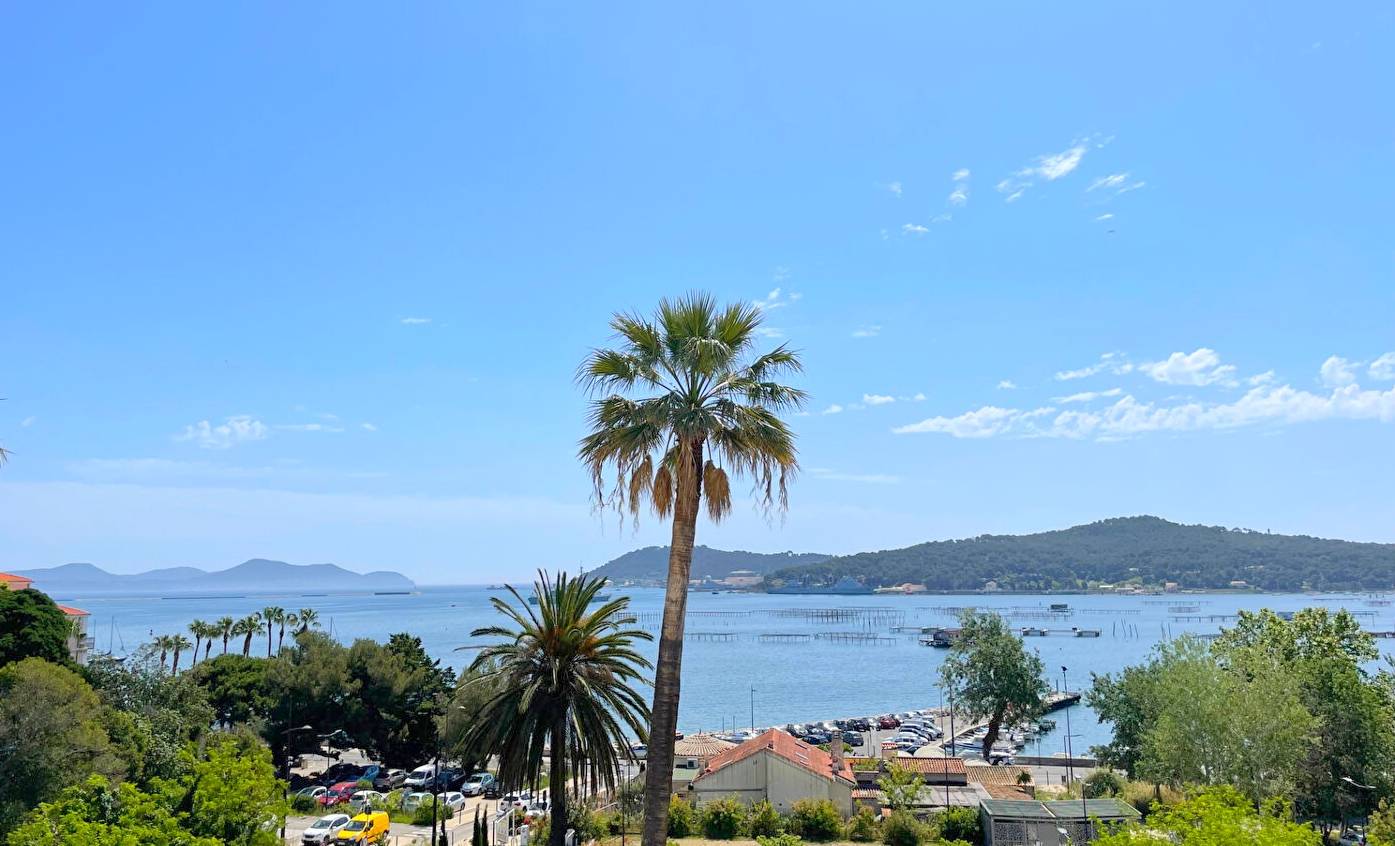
column 255, row 576
column 1143, row 550
column 651, row 562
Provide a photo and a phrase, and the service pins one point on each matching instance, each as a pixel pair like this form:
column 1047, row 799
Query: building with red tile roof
column 79, row 644
column 778, row 768
column 15, row 582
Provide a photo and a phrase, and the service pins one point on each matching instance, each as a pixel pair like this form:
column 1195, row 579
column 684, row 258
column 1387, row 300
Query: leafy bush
column 902, row 829
column 1102, row 783
column 863, row 827
column 816, row 819
column 304, row 804
column 539, row 829
column 422, row 814
column 765, row 821
column 959, row 824
column 1142, row 796
column 682, row 820
column 780, row 840
column 723, row 819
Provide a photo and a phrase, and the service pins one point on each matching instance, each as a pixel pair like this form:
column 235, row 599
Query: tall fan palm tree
column 210, row 631
column 309, row 619
column 178, row 643
column 683, row 402
column 248, row 627
column 288, row 620
column 163, row 643
column 272, row 615
column 225, row 628
column 563, row 677
column 197, row 629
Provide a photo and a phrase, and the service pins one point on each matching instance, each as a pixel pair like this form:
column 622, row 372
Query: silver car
column 324, row 829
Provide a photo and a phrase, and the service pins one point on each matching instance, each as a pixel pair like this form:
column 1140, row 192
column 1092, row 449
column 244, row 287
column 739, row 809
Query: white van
column 420, row 776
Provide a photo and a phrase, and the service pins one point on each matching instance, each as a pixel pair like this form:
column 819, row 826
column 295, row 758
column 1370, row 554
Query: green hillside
column 1149, row 550
column 651, row 562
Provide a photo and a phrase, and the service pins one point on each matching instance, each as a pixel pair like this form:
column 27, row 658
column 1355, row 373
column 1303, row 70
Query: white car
column 1352, row 838
column 365, row 800
column 420, row 776
column 411, row 801
column 324, row 829
column 454, row 800
column 313, row 792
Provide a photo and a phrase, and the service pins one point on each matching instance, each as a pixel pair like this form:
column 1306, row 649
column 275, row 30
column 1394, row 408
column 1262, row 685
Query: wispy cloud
column 237, row 429
column 867, row 331
column 1049, row 168
column 415, row 321
column 777, row 298
column 893, row 188
column 869, row 478
column 1007, row 385
column 960, row 195
column 833, row 409
column 1202, row 366
column 1337, row 372
column 28, row 421
column 1088, row 396
column 1383, row 368
column 1129, row 417
column 369, row 427
column 1114, row 180
column 914, row 229
column 770, row 332
column 780, row 274
column 916, row 397
column 1111, row 362
column 877, row 399
column 308, row 427
column 1105, row 216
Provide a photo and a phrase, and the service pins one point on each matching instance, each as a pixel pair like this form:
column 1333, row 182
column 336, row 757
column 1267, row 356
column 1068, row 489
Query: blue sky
column 311, row 282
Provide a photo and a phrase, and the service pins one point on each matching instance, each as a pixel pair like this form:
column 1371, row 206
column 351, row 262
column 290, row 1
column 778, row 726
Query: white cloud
column 1007, row 385
column 914, row 229
column 944, row 217
column 1200, row 367
column 869, row 478
column 1114, row 180
column 1132, row 186
column 1105, row 216
column 916, row 397
column 1383, row 368
column 960, row 175
column 1337, row 372
column 236, row 429
column 31, row 420
column 770, row 332
column 1128, row 417
column 1049, row 167
column 308, row 427
column 1112, row 362
column 1015, row 196
column 894, row 188
column 1088, row 396
column 369, row 427
column 777, row 298
column 1057, row 165
column 415, row 321
column 867, row 331
column 780, row 273
column 1264, row 378
column 959, row 196
column 833, row 409
column 877, row 399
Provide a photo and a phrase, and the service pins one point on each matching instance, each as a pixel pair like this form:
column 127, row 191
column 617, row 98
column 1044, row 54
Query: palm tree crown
column 309, row 618
column 272, row 615
column 564, row 678
column 703, row 390
column 248, row 627
column 225, row 629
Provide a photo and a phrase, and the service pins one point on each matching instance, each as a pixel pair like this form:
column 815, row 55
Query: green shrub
column 422, row 814
column 959, row 824
column 682, row 820
column 1142, row 796
column 765, row 821
column 902, row 829
column 304, row 804
column 1103, row 783
column 780, row 840
column 816, row 819
column 863, row 827
column 539, row 829
column 723, row 819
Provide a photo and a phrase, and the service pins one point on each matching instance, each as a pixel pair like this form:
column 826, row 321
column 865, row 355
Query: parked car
column 1353, row 837
column 860, row 724
column 389, row 780
column 447, row 779
column 638, row 751
column 411, row 801
column 477, row 784
column 339, row 793
column 420, row 776
column 887, row 722
column 340, row 772
column 852, row 738
column 313, row 792
column 366, row 800
column 324, row 829
column 454, row 800
column 519, row 800
column 365, row 828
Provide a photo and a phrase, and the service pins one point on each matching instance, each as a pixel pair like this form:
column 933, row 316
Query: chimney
column 835, row 749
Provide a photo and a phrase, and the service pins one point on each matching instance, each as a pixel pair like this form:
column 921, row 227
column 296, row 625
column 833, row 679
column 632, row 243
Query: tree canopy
column 991, row 674
column 32, row 626
column 1219, row 816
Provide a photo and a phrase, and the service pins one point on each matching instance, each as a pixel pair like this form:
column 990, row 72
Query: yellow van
column 365, row 828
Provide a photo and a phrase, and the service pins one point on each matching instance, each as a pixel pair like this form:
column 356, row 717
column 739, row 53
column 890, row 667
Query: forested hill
column 1149, row 550
column 651, row 562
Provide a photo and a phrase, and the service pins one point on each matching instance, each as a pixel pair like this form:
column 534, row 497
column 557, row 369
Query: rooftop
column 1070, row 809
column 73, row 612
column 12, row 579
column 996, row 775
column 932, row 766
column 700, row 746
column 777, row 742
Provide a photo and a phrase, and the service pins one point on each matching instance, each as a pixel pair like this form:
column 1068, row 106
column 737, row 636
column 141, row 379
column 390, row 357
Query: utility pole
column 1070, row 763
column 753, row 709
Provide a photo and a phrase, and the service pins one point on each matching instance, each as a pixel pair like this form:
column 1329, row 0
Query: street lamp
column 1070, row 764
column 1365, row 811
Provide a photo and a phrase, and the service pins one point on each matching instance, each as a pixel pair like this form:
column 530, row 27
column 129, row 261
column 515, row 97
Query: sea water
column 773, row 659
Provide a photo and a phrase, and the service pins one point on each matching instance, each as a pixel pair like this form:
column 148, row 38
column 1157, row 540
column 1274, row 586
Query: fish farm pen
column 774, row 637
column 868, row 616
column 861, row 638
column 715, row 637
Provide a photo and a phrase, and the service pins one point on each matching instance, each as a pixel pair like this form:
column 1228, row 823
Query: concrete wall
column 767, row 776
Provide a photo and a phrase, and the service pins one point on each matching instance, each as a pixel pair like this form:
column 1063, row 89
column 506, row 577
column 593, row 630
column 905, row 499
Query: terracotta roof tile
column 932, row 765
column 797, row 752
column 73, row 612
column 700, row 746
column 1006, row 775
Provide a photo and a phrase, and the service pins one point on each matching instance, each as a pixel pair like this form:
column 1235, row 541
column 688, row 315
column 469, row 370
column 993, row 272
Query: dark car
column 852, row 738
column 340, row 772
column 447, row 779
column 842, row 725
column 886, row 721
column 389, row 780
column 860, row 724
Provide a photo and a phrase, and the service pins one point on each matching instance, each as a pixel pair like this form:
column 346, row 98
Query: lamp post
column 1365, row 812
column 1070, row 763
column 286, row 764
column 753, row 709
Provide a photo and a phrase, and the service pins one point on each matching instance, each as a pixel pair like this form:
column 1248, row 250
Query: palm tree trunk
column 225, row 643
column 175, row 669
column 557, row 784
column 247, row 645
column 280, row 637
column 268, row 638
column 197, row 640
column 208, row 647
column 658, row 771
